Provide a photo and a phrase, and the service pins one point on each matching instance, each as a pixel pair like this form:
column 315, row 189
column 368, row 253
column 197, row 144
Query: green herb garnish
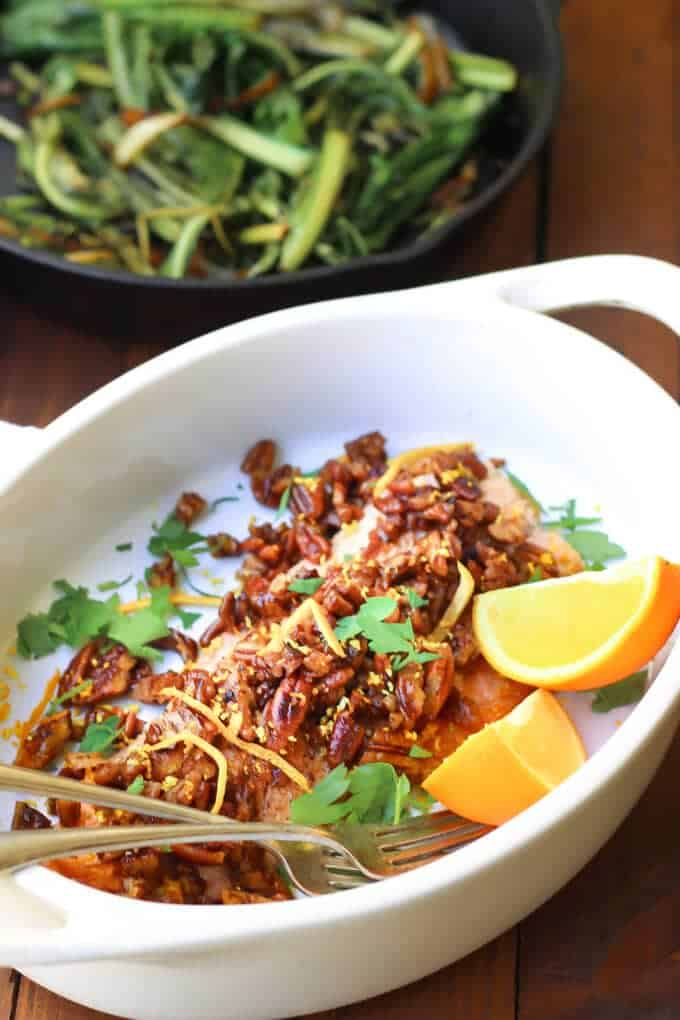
column 535, row 575
column 419, row 752
column 524, row 489
column 625, row 692
column 383, row 638
column 594, row 547
column 112, row 585
column 173, row 537
column 568, row 520
column 124, row 547
column 370, row 793
column 187, row 619
column 284, row 501
column 100, row 737
column 72, row 619
column 66, row 696
column 306, row 585
column 136, row 786
column 223, row 499
column 414, row 599
column 138, row 629
column 75, row 618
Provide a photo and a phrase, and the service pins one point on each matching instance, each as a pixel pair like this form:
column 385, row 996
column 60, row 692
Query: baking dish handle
column 641, row 284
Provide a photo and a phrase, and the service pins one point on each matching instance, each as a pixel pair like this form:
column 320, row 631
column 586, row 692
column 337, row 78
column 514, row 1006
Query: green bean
column 117, row 60
column 263, row 233
column 177, row 261
column 80, row 208
column 370, row 32
column 11, row 131
column 290, row 159
column 310, row 219
column 484, row 72
column 407, row 52
column 141, row 58
column 266, row 261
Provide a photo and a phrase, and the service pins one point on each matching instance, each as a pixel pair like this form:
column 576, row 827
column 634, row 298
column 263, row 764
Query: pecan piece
column 111, row 673
column 189, row 506
column 346, row 740
column 287, row 710
column 45, row 741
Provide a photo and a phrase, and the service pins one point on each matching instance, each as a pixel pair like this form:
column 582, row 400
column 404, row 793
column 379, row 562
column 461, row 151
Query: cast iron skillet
column 524, row 32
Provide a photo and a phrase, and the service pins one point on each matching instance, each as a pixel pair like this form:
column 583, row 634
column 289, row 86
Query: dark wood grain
column 8, row 986
column 607, row 947
column 615, row 184
column 481, row 987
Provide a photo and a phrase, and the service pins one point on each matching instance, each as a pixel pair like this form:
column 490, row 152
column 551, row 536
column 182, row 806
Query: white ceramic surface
column 465, row 360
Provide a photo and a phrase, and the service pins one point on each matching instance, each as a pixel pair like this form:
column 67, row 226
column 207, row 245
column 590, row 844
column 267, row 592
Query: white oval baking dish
column 468, row 360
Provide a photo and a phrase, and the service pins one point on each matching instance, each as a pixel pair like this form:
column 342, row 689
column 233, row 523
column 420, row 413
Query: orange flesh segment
column 583, row 631
column 511, row 763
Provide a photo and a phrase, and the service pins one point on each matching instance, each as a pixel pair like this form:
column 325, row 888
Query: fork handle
column 43, row 784
column 24, row 848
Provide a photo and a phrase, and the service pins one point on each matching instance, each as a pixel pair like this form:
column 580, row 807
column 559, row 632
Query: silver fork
column 317, row 860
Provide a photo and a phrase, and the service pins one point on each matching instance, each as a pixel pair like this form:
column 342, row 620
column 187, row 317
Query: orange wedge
column 580, row 632
column 511, row 763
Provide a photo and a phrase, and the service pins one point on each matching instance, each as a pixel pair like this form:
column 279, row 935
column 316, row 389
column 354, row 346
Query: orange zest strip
column 255, row 750
column 179, row 598
column 187, row 737
column 39, row 709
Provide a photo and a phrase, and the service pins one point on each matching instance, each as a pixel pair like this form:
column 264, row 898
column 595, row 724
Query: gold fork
column 317, row 860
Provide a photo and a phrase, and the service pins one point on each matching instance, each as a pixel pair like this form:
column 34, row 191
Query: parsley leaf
column 138, row 629
column 414, row 599
column 80, row 616
column 306, row 586
column 99, row 737
column 535, row 575
column 383, row 638
column 124, row 547
column 174, row 537
column 223, row 499
column 594, row 547
column 625, row 692
column 36, row 636
column 66, row 696
column 318, row 807
column 419, row 752
column 136, row 786
column 420, row 800
column 521, row 487
column 188, row 619
column 396, row 805
column 72, row 619
column 112, row 585
column 369, row 793
column 569, row 521
column 413, row 656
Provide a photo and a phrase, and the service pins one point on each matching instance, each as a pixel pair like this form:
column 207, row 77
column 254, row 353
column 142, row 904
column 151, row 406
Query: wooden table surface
column 607, row 947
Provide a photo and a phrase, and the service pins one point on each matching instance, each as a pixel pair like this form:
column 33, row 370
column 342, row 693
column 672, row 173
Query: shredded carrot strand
column 39, row 709
column 187, row 737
